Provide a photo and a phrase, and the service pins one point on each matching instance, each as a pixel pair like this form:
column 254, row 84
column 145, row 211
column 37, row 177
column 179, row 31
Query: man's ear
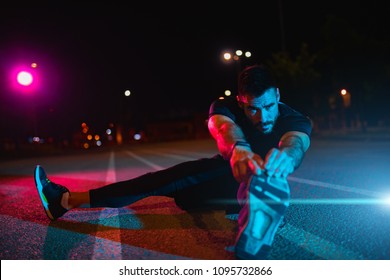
column 277, row 94
column 239, row 101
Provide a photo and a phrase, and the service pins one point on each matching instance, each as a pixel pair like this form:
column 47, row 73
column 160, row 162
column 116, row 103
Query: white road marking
column 193, row 155
column 147, row 162
column 175, row 156
column 103, row 247
column 341, row 201
column 335, row 187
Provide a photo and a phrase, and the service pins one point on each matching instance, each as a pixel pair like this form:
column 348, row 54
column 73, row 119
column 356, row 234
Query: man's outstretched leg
column 266, row 200
column 191, row 184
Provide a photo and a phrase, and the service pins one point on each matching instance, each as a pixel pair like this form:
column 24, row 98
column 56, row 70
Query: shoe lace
column 55, row 185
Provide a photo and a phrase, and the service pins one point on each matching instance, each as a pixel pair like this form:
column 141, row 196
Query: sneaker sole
column 268, row 199
column 39, row 187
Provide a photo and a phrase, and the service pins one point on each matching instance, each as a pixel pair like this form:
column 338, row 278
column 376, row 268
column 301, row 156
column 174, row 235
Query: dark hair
column 255, row 80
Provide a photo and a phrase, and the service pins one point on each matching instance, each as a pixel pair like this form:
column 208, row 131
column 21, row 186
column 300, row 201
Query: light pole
column 26, row 81
column 124, row 116
column 346, row 96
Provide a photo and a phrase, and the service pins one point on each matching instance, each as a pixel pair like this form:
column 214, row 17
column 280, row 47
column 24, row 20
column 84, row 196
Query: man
column 261, row 141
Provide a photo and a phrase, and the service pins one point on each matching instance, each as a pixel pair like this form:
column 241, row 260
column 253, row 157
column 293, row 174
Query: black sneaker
column 50, row 194
column 268, row 199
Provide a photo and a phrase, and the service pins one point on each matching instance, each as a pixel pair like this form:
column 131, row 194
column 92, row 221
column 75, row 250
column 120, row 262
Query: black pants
column 206, row 183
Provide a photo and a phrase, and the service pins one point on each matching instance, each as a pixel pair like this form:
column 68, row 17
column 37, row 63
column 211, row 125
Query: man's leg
column 76, row 200
column 204, row 174
column 199, row 175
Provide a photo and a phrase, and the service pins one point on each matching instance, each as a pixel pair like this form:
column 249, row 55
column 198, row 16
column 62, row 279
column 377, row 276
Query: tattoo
column 295, row 147
column 226, row 133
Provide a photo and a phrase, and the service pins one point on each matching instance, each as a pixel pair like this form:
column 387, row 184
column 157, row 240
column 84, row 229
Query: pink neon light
column 24, row 78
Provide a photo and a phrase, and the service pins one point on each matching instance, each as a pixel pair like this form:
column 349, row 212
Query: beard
column 266, row 127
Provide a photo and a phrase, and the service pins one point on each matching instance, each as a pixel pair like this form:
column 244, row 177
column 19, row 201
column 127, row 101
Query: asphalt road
column 338, row 209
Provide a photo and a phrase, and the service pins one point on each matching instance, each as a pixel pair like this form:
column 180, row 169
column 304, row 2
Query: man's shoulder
column 291, row 119
column 286, row 110
column 226, row 106
column 228, row 101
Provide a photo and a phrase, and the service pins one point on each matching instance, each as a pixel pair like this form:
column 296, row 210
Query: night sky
column 169, row 56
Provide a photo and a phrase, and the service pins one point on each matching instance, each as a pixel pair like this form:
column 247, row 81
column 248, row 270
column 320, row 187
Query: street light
column 124, row 116
column 24, row 78
column 346, row 109
column 26, row 82
column 346, row 95
column 236, row 55
column 228, row 92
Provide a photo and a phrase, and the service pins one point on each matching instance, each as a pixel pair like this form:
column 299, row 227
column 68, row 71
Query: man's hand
column 283, row 161
column 278, row 163
column 244, row 163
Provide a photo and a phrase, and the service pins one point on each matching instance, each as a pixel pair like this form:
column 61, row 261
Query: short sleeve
column 222, row 107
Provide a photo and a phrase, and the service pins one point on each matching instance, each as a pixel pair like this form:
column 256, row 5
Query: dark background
column 169, row 56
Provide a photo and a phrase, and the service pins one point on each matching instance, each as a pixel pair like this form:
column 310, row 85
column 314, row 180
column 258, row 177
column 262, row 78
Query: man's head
column 259, row 96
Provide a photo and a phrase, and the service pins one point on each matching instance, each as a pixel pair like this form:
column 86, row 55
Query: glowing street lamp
column 346, row 109
column 236, row 55
column 24, row 78
column 227, row 56
column 228, row 92
column 346, row 95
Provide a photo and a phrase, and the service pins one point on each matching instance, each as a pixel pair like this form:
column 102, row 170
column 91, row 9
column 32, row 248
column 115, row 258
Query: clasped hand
column 244, row 163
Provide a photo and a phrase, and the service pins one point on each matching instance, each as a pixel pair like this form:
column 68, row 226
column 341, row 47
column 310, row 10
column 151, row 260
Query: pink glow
column 45, row 71
column 25, row 78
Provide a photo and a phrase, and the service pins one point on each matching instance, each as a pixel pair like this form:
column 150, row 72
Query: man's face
column 262, row 111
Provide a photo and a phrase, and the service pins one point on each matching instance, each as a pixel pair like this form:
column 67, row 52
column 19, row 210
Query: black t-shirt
column 288, row 120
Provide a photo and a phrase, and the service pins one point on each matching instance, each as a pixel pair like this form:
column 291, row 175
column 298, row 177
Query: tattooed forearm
column 295, row 144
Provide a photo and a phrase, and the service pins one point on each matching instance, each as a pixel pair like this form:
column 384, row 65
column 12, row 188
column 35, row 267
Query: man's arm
column 242, row 159
column 289, row 155
column 226, row 133
column 295, row 144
